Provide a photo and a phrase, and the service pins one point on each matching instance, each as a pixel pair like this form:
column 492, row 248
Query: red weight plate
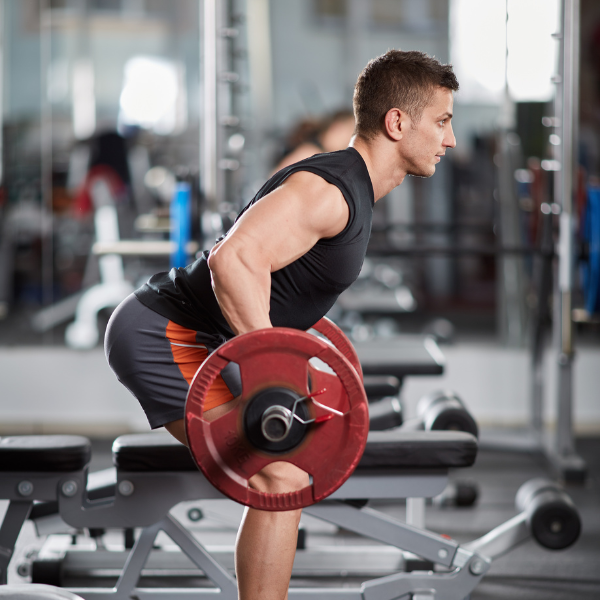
column 340, row 340
column 272, row 358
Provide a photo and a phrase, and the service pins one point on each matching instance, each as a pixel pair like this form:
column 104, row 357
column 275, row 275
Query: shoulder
column 313, row 189
column 317, row 201
column 302, row 152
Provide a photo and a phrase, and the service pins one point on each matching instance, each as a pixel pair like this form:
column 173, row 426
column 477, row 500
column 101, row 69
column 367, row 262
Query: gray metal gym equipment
column 221, row 89
column 558, row 446
column 562, row 453
column 25, row 591
column 153, row 473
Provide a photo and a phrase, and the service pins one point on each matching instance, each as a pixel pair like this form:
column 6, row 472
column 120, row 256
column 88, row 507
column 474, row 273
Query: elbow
column 216, row 258
column 212, row 259
column 231, row 257
column 224, row 258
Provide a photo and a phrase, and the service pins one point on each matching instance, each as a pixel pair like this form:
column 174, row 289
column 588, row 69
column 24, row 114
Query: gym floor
column 529, row 572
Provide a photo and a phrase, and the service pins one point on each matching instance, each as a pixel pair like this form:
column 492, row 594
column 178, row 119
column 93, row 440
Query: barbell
column 287, row 411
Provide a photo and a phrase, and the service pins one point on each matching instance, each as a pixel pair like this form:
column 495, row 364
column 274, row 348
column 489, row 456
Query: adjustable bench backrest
column 35, row 467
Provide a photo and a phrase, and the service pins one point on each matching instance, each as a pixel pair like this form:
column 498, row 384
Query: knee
column 279, row 477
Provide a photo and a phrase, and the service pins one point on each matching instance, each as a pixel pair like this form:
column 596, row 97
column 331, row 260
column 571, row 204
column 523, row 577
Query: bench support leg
column 9, row 532
column 128, row 581
column 371, row 523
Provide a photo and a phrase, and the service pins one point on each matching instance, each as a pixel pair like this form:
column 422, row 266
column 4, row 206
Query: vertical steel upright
column 208, row 124
column 217, row 81
column 47, row 267
column 1, row 90
column 562, row 448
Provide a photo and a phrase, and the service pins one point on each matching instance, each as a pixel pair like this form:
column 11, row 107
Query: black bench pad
column 400, row 356
column 44, row 453
column 380, row 386
column 391, row 449
column 418, row 450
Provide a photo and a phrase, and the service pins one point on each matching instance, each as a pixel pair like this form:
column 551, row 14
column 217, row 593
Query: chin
column 422, row 173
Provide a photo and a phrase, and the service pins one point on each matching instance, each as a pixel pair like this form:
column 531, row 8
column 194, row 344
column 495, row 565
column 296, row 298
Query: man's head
column 404, row 80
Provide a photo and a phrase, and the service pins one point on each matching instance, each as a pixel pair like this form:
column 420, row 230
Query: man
column 290, row 253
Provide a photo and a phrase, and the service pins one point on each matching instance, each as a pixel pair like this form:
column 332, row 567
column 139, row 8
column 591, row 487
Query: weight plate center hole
column 269, row 423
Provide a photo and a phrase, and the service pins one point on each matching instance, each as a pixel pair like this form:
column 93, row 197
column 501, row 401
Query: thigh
column 156, row 360
column 140, row 355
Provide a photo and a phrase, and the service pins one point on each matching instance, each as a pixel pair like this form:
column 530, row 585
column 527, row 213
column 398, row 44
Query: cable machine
column 558, row 446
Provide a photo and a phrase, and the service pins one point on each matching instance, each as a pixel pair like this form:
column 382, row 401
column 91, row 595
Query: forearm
column 243, row 295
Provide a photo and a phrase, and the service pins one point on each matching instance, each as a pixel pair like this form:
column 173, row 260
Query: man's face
column 426, row 142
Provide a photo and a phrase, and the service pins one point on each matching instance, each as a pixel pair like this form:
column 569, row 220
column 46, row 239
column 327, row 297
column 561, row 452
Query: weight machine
column 558, row 446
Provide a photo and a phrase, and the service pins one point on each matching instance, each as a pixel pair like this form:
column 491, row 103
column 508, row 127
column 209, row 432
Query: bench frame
column 459, row 567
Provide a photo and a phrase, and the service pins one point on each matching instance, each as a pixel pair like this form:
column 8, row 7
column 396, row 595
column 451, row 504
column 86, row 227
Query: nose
column 449, row 139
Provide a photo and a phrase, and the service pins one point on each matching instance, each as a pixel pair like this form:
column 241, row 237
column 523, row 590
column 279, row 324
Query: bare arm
column 277, row 230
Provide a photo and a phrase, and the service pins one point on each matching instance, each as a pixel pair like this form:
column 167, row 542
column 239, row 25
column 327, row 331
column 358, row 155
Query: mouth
column 438, row 157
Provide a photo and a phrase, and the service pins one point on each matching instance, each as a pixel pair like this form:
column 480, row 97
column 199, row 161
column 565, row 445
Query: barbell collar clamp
column 277, row 413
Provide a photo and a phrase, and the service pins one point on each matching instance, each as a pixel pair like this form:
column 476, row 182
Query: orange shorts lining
column 189, row 359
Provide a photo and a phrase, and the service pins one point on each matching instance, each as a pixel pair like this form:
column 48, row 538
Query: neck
column 382, row 163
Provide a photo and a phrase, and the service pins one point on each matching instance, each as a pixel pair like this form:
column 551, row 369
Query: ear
column 395, row 123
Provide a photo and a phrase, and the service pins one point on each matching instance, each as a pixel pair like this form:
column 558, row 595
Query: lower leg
column 266, row 543
column 264, row 554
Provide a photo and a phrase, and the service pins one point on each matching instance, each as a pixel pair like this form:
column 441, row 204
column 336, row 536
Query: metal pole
column 46, row 158
column 562, row 453
column 1, row 88
column 260, row 59
column 209, row 163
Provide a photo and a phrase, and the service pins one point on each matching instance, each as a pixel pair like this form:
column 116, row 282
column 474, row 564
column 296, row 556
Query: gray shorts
column 156, row 359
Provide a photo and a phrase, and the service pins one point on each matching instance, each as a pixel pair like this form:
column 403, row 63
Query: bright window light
column 152, row 95
column 478, row 49
column 532, row 52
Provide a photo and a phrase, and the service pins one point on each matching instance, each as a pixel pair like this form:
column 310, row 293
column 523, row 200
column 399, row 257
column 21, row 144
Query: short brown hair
column 397, row 79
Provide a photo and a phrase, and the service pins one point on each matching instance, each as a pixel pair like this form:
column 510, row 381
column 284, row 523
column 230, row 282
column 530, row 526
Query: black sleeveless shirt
column 303, row 291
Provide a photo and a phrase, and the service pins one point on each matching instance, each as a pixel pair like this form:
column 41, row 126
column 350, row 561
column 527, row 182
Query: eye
column 442, row 122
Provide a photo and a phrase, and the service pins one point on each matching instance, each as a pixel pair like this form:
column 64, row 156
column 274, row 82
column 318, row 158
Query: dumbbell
column 552, row 517
column 385, row 414
column 378, row 387
column 440, row 410
column 457, row 494
column 443, row 410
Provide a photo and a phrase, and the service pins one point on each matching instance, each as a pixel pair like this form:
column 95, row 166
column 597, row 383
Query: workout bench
column 153, row 473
